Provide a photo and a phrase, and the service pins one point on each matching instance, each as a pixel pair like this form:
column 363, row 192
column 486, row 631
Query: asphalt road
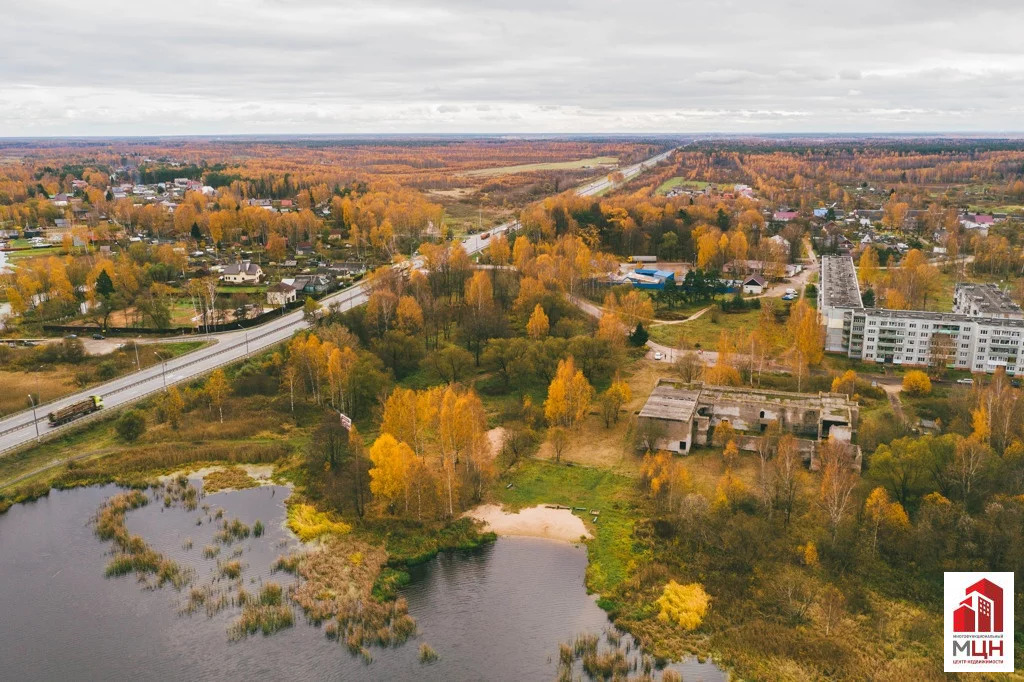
column 22, row 428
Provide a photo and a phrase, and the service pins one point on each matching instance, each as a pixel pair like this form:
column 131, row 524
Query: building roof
column 651, row 272
column 756, row 279
column 242, row 268
column 988, row 298
column 280, row 287
column 670, row 403
column 839, row 285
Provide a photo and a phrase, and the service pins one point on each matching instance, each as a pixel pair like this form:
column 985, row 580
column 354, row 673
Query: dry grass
column 49, row 384
column 266, row 613
column 228, row 478
column 594, row 444
column 337, row 583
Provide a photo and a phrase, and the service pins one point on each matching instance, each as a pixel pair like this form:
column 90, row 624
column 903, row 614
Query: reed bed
column 337, row 585
column 228, row 478
column 135, row 466
column 232, row 570
column 231, row 531
column 611, row 657
column 131, row 553
column 266, row 612
column 427, row 653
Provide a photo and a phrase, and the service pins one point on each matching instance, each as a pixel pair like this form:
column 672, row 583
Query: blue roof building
column 649, row 278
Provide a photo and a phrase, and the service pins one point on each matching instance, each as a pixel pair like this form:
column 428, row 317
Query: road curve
column 24, row 427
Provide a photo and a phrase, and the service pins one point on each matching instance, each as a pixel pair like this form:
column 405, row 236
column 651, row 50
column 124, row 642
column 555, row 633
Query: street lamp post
column 35, row 419
column 163, row 367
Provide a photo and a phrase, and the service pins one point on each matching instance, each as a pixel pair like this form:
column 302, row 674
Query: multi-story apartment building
column 983, row 333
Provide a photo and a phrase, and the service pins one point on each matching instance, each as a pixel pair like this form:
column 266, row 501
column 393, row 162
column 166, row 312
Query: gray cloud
column 322, row 66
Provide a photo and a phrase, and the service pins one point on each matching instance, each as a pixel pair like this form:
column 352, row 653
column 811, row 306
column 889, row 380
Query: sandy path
column 538, row 522
column 497, row 438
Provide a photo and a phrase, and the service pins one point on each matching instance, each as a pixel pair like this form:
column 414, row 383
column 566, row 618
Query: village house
column 281, row 294
column 309, row 284
column 678, row 416
column 242, row 272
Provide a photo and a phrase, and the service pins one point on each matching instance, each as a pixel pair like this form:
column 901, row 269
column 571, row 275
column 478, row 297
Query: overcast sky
column 404, row 66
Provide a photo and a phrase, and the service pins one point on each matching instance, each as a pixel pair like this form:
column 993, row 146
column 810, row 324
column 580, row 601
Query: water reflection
column 495, row 614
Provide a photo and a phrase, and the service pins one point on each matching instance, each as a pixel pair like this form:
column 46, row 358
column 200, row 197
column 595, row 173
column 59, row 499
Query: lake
column 495, row 614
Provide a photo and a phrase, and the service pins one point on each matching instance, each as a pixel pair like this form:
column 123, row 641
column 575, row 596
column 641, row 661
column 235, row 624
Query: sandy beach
column 538, row 522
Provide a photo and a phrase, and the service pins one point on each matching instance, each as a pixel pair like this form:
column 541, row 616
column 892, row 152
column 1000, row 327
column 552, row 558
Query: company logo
column 978, row 605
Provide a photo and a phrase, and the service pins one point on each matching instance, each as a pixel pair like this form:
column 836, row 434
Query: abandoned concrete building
column 678, row 416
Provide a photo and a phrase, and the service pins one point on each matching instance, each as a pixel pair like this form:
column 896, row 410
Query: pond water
column 496, row 614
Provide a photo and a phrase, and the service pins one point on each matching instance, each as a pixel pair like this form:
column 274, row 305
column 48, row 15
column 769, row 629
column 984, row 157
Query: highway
column 26, row 426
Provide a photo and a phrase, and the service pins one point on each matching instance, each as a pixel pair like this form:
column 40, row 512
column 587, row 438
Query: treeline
column 710, row 231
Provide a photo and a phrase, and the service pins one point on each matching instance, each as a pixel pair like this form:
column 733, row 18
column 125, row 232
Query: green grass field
column 702, row 332
column 592, row 162
column 689, row 184
column 245, row 289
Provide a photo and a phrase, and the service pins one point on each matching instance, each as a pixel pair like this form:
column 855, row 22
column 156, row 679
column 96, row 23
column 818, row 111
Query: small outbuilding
column 754, row 285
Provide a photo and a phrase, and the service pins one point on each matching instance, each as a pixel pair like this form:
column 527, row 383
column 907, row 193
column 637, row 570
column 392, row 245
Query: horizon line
column 990, row 134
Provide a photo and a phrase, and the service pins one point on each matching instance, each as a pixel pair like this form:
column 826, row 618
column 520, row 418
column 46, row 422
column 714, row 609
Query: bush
column 130, row 426
column 107, row 369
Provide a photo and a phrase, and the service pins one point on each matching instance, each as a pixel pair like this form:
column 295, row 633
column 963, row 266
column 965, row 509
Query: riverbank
column 537, row 522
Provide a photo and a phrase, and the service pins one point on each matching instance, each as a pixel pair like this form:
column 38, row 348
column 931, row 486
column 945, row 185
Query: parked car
column 98, row 337
column 965, row 382
column 658, row 355
column 485, row 235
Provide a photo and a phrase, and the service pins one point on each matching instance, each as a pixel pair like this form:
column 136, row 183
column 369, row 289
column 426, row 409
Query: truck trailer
column 76, row 410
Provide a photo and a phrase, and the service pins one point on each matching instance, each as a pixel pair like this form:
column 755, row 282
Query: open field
column 702, row 333
column 664, row 187
column 467, row 216
column 594, row 162
column 57, row 379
